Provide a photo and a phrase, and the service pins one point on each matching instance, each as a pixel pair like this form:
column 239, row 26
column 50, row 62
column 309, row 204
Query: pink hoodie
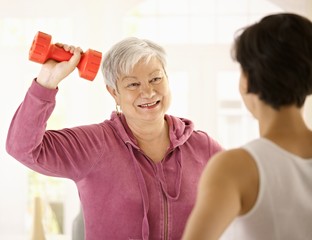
column 124, row 195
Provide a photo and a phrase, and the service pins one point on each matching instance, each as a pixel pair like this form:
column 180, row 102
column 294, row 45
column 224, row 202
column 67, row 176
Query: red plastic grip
column 42, row 50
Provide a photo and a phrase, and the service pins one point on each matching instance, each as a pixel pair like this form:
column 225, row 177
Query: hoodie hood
column 180, row 129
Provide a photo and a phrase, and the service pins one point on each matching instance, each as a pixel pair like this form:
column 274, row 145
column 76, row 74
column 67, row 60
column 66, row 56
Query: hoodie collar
column 180, row 129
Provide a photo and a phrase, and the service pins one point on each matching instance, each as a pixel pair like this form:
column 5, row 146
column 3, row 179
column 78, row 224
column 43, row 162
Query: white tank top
column 283, row 209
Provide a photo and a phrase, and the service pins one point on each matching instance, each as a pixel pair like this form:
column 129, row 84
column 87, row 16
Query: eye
column 133, row 85
column 156, row 79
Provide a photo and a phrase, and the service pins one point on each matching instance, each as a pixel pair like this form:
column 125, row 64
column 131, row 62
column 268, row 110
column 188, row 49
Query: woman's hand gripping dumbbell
column 59, row 60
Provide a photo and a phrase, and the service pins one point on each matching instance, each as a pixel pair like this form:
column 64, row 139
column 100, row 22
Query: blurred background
column 197, row 35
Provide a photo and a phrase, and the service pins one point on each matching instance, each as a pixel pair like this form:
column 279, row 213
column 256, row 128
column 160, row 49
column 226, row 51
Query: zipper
column 165, row 218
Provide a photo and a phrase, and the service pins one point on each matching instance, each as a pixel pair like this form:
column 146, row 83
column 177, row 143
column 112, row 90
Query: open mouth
column 149, row 105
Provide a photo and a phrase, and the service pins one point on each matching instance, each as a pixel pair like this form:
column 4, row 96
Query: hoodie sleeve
column 66, row 153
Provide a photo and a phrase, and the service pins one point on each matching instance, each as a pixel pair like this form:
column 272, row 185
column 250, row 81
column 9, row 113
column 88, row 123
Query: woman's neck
column 152, row 138
column 288, row 120
column 149, row 131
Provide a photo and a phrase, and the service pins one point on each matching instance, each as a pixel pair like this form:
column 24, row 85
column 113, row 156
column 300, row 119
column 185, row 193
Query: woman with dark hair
column 263, row 190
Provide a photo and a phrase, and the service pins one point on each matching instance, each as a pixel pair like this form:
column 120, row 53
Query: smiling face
column 143, row 94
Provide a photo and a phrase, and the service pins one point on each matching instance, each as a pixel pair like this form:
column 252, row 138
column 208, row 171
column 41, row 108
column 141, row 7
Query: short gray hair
column 124, row 55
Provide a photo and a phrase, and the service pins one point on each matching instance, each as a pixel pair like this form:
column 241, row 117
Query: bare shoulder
column 232, row 161
column 236, row 170
column 226, row 190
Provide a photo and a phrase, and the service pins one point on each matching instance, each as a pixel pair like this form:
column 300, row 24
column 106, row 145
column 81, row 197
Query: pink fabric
column 123, row 193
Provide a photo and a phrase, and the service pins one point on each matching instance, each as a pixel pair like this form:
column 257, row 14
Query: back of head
column 276, row 56
column 124, row 55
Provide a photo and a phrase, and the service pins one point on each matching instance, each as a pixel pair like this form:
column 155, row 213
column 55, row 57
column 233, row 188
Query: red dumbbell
column 42, row 50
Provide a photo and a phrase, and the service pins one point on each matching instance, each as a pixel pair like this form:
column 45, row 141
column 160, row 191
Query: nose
column 147, row 91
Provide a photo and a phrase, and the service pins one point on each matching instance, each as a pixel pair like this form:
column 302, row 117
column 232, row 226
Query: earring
column 118, row 109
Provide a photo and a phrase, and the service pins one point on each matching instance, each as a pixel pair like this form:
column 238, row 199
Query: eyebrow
column 134, row 77
column 126, row 77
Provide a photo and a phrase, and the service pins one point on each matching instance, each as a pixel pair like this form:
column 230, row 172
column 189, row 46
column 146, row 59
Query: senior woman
column 137, row 172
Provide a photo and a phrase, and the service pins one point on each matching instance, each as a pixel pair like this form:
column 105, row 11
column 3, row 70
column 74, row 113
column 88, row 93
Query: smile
column 148, row 105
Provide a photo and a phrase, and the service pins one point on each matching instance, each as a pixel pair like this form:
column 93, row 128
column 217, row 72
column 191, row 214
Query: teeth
column 148, row 104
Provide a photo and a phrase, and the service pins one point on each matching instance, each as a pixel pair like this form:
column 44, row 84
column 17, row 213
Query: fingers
column 69, row 48
column 76, row 51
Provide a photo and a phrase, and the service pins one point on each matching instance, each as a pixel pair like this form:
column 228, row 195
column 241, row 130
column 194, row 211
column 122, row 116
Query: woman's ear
column 113, row 92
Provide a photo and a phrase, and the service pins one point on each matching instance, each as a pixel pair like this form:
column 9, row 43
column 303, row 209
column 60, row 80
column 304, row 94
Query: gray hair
column 124, row 55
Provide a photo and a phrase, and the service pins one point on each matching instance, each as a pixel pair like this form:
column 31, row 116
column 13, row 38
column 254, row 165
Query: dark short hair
column 276, row 56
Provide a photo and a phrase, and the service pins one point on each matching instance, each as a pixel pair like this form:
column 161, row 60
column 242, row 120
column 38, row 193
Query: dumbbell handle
column 58, row 54
column 42, row 50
